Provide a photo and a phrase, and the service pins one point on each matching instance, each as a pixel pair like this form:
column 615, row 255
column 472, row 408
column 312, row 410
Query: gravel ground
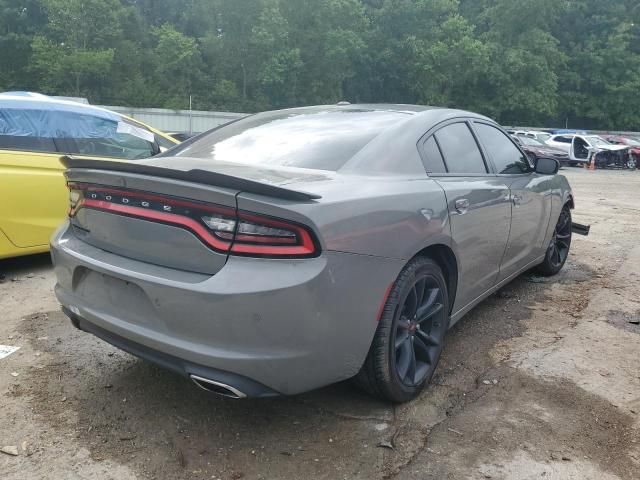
column 541, row 380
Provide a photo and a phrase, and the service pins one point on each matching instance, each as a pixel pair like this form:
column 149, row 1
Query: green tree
column 74, row 54
column 534, row 62
column 19, row 22
column 600, row 84
column 177, row 64
column 521, row 84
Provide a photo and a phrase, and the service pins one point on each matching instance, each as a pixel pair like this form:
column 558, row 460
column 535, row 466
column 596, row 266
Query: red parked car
column 632, row 143
column 536, row 149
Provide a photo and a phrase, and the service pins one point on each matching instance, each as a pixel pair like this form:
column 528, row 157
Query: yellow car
column 35, row 131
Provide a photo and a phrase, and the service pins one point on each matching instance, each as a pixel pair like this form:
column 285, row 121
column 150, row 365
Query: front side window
column 121, row 145
column 123, row 139
column 460, row 150
column 507, row 158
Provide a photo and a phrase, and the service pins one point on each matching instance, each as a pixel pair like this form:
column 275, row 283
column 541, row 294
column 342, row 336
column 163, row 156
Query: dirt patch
column 553, row 422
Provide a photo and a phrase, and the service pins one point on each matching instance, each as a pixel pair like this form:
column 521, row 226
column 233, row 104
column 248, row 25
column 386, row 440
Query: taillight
column 221, row 228
column 266, row 236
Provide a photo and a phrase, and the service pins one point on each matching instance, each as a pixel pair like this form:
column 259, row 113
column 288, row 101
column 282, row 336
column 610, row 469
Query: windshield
column 308, row 138
column 530, row 141
column 543, row 137
column 596, row 141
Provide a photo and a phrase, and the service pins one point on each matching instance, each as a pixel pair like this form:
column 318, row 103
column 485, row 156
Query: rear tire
column 558, row 249
column 408, row 343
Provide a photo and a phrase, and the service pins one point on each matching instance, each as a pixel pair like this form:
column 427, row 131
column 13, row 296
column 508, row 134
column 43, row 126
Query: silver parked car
column 293, row 249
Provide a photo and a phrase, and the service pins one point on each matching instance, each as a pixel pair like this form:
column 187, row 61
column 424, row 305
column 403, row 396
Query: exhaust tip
column 217, row 387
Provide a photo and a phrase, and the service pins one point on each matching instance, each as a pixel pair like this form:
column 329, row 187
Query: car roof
column 409, row 109
column 417, row 119
column 395, row 128
column 38, row 101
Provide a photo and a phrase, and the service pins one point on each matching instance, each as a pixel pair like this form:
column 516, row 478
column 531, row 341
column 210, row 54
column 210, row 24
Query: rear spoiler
column 196, row 176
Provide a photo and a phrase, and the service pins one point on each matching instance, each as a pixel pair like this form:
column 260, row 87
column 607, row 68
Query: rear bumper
column 245, row 385
column 262, row 326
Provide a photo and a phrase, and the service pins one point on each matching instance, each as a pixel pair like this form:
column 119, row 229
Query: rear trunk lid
column 163, row 215
column 109, row 211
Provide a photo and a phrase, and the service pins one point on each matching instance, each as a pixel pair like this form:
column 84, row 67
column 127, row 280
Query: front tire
column 408, row 343
column 558, row 249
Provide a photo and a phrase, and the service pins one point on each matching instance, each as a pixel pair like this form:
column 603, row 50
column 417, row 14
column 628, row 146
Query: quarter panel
column 386, row 217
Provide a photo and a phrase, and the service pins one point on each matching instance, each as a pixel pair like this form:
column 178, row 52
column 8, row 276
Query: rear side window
column 434, row 163
column 506, row 157
column 460, row 150
column 51, row 130
column 29, row 144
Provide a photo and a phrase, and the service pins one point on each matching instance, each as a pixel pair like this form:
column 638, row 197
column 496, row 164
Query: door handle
column 462, row 205
column 516, row 199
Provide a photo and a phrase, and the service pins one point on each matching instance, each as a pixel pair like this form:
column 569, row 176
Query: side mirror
column 547, row 166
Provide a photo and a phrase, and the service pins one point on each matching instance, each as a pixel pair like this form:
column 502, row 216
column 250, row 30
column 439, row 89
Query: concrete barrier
column 195, row 121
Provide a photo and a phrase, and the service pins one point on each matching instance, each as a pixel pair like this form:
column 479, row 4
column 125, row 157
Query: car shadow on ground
column 11, row 268
column 160, row 424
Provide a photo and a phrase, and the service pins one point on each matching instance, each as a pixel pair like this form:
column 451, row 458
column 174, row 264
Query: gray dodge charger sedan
column 297, row 248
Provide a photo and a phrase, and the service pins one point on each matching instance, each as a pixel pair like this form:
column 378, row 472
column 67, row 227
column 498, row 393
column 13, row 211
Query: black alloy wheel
column 558, row 249
column 410, row 336
column 419, row 331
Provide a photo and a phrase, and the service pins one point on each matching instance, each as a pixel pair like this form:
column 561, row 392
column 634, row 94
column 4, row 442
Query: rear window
column 323, row 140
column 30, row 144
